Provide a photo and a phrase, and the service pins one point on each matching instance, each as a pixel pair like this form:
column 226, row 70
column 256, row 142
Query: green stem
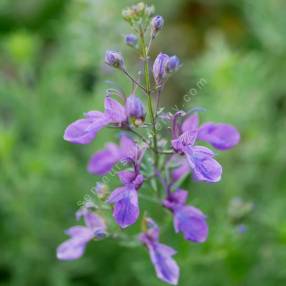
column 148, row 92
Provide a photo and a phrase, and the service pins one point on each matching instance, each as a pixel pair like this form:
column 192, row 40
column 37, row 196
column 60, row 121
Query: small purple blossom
column 103, row 161
column 131, row 40
column 220, row 135
column 200, row 159
column 157, row 24
column 173, row 64
column 187, row 219
column 159, row 68
column 114, row 59
column 74, row 247
column 135, row 109
column 163, row 66
column 84, row 131
column 161, row 255
column 125, row 199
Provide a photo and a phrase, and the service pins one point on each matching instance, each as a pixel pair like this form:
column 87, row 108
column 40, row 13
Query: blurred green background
column 51, row 71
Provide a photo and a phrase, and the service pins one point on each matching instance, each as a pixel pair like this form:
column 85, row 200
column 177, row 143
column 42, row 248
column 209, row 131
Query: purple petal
column 188, row 137
column 152, row 232
column 70, row 250
column 176, row 126
column 74, row 247
column 83, row 131
column 117, row 195
column 103, row 161
column 135, row 107
column 159, row 68
column 81, row 234
column 202, row 151
column 181, row 171
column 204, row 167
column 191, row 123
column 166, row 267
column 129, row 148
column 114, row 110
column 138, row 181
column 176, row 199
column 192, row 223
column 94, row 221
column 126, row 211
column 219, row 135
column 126, row 177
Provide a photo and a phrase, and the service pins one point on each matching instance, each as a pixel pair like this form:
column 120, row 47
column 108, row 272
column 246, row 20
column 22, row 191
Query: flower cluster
column 149, row 159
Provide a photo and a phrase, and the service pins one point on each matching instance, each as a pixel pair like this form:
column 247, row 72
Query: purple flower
column 114, row 59
column 74, row 247
column 161, row 255
column 187, row 219
column 131, row 40
column 83, row 131
column 125, row 199
column 135, row 109
column 157, row 24
column 103, row 161
column 200, row 159
column 173, row 64
column 159, row 68
column 163, row 66
column 220, row 135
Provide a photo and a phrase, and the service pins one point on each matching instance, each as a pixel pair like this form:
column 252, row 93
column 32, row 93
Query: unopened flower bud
column 157, row 24
column 135, row 109
column 114, row 59
column 173, row 64
column 131, row 40
column 149, row 10
column 127, row 14
column 138, row 8
column 159, row 68
column 101, row 190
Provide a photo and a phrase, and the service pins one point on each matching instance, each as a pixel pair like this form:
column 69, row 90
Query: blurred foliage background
column 51, row 71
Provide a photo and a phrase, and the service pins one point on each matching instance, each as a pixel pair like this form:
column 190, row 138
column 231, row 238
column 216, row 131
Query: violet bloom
column 84, row 131
column 114, row 59
column 200, row 160
column 131, row 40
column 187, row 219
column 103, row 161
column 125, row 199
column 74, row 247
column 157, row 24
column 163, row 66
column 173, row 64
column 159, row 68
column 135, row 109
column 161, row 255
column 220, row 135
